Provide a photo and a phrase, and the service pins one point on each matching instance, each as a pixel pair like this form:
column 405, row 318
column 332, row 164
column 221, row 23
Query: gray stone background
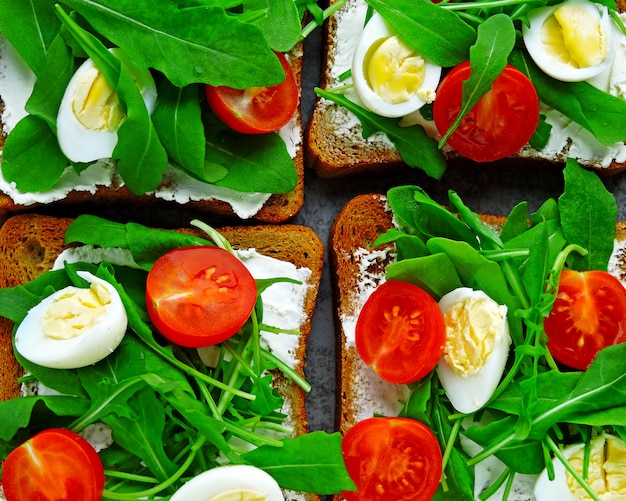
column 490, row 190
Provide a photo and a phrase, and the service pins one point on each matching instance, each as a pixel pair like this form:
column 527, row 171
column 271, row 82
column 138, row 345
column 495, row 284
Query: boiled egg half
column 90, row 113
column 391, row 79
column 230, row 483
column 571, row 41
column 606, row 472
column 73, row 327
column 476, row 349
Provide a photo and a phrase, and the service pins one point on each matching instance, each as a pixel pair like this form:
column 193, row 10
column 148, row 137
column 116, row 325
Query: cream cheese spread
column 16, row 84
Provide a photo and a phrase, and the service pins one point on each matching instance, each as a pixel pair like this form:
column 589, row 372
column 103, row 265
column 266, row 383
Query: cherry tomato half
column 199, row 296
column 392, row 459
column 400, row 332
column 499, row 125
column 55, row 464
column 589, row 314
column 257, row 110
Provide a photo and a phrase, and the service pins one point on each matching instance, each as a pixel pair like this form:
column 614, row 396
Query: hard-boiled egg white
column 606, row 472
column 476, row 350
column 230, row 483
column 390, row 77
column 74, row 327
column 571, row 41
column 90, row 113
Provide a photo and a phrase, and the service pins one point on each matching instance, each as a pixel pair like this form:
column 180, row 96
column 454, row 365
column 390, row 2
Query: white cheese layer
column 16, row 84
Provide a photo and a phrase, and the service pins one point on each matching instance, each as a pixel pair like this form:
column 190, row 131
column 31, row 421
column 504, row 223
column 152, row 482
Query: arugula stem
column 454, row 433
column 491, row 490
column 559, row 454
column 250, row 436
column 486, row 4
column 287, row 371
column 329, row 11
column 130, row 476
column 146, row 494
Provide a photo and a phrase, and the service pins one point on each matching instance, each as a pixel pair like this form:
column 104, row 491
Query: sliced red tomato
column 500, row 124
column 589, row 314
column 199, row 296
column 54, row 465
column 392, row 459
column 400, row 332
column 257, row 110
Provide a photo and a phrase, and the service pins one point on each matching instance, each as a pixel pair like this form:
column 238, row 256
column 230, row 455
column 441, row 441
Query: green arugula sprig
column 536, row 404
column 171, row 416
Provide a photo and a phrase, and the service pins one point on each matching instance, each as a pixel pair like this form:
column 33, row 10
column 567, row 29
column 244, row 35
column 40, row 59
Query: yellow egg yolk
column 606, row 469
column 95, row 104
column 574, row 36
column 239, row 495
column 472, row 327
column 76, row 311
column 394, row 71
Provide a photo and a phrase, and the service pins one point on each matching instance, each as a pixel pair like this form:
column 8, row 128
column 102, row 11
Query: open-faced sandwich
column 192, row 104
column 177, row 354
column 420, row 83
column 482, row 357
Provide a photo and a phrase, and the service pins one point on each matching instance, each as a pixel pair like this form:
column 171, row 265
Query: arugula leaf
column 601, row 113
column 196, row 44
column 436, row 273
column 280, row 23
column 32, row 142
column 30, row 28
column 437, row 33
column 295, row 465
column 143, row 434
column 488, row 57
column 177, row 120
column 423, row 216
column 50, row 86
column 588, row 216
column 263, row 166
column 413, row 144
column 17, row 413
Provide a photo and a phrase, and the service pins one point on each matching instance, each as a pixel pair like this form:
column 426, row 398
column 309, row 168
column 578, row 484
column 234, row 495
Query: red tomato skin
column 54, row 465
column 589, row 314
column 400, row 349
column 499, row 125
column 199, row 296
column 392, row 459
column 257, row 110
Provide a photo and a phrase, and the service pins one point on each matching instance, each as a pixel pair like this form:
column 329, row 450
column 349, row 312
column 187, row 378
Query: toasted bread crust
column 335, row 147
column 279, row 208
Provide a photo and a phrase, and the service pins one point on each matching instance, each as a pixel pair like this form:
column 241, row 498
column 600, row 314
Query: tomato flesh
column 589, row 314
column 499, row 125
column 400, row 332
column 392, row 459
column 54, row 465
column 199, row 296
column 257, row 110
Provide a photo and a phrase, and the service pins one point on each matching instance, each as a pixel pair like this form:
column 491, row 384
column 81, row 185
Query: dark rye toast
column 279, row 208
column 29, row 245
column 357, row 268
column 335, row 146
